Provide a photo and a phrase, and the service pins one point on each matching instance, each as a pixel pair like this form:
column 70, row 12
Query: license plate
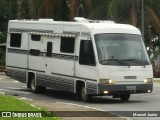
column 130, row 87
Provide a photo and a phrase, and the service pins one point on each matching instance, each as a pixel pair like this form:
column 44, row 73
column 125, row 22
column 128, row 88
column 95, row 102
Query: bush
column 2, row 57
column 2, row 50
column 2, row 38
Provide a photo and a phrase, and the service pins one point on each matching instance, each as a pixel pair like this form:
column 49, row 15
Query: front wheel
column 85, row 97
column 35, row 88
column 124, row 97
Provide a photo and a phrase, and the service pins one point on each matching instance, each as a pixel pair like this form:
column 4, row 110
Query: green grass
column 9, row 103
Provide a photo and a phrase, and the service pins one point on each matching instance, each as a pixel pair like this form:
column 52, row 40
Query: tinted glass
column 15, row 40
column 121, row 49
column 67, row 44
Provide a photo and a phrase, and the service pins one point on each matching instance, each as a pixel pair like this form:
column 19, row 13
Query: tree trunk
column 46, row 9
column 154, row 20
column 87, row 7
column 32, row 11
column 73, row 9
column 20, row 9
column 149, row 38
column 49, row 8
column 133, row 16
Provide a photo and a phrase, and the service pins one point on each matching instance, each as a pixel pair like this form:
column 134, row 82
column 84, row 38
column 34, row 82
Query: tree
column 47, row 7
column 87, row 7
column 99, row 9
column 73, row 9
column 20, row 9
column 32, row 10
column 129, row 11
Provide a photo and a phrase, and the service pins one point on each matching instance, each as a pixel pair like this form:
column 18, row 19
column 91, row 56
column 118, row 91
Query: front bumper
column 124, row 88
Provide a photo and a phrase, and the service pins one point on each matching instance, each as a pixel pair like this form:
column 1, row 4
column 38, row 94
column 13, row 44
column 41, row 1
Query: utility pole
column 143, row 19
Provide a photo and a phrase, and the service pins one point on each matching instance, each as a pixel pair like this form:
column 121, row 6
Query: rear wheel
column 124, row 97
column 85, row 97
column 35, row 88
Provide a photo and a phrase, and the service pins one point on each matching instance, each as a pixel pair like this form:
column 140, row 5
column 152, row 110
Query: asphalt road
column 140, row 102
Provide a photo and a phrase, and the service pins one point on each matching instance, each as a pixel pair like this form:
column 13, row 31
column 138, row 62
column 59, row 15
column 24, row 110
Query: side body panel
column 61, row 70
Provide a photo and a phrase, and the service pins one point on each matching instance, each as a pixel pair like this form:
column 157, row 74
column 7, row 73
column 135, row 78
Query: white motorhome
column 86, row 57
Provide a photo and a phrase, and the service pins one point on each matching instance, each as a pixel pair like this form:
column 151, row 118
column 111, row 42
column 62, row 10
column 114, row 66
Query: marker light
column 148, row 80
column 145, row 80
column 111, row 81
column 106, row 81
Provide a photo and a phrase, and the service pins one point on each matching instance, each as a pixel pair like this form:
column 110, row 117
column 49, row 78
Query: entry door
column 36, row 57
column 63, row 56
column 48, row 57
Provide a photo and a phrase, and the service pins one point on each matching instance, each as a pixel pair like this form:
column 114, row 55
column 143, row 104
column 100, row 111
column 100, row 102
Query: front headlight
column 148, row 80
column 106, row 81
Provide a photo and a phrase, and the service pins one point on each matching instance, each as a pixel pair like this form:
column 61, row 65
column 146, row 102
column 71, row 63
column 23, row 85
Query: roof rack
column 84, row 20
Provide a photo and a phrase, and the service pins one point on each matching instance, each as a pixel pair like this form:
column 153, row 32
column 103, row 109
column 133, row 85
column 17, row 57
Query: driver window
column 87, row 56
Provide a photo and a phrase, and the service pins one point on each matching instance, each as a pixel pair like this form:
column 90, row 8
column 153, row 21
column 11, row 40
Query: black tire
column 85, row 97
column 35, row 88
column 124, row 97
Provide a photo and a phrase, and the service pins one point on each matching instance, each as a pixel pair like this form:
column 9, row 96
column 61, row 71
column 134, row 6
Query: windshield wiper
column 136, row 61
column 117, row 60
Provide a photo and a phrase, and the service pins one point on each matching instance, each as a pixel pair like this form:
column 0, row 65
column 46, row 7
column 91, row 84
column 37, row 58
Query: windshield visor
column 121, row 50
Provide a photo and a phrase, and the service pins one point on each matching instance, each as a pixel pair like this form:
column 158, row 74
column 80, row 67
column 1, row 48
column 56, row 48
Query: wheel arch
column 31, row 75
column 79, row 85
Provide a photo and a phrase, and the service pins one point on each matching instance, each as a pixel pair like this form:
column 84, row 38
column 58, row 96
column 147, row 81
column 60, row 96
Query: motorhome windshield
column 121, row 50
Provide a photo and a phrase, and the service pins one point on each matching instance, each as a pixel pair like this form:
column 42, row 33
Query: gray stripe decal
column 55, row 79
column 76, row 77
column 42, row 54
column 30, row 30
column 17, row 72
column 84, row 34
column 91, row 86
column 18, row 51
column 66, row 57
column 26, row 69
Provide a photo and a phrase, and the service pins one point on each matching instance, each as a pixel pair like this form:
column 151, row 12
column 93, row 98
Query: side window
column 49, row 49
column 86, row 56
column 15, row 40
column 35, row 37
column 34, row 52
column 67, row 45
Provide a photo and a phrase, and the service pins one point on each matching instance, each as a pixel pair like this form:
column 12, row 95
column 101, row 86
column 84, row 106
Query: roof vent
column 81, row 19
